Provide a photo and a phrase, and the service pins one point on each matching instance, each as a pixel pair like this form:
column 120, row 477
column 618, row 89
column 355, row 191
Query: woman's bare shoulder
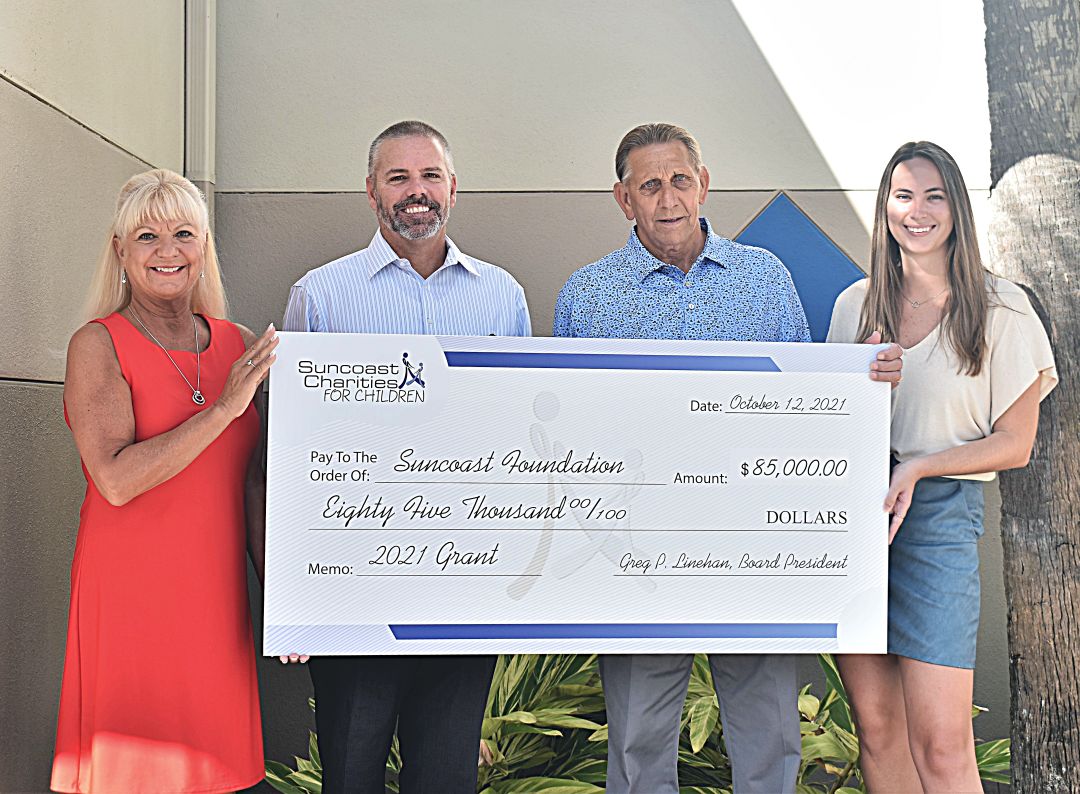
column 246, row 334
column 91, row 341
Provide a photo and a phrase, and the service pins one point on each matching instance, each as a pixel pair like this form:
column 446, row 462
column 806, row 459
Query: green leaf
column 832, row 675
column 599, row 735
column 847, row 738
column 313, row 750
column 996, row 752
column 809, row 705
column 827, row 745
column 578, row 690
column 594, row 773
column 277, row 776
column 835, row 695
column 561, row 719
column 703, row 716
column 849, row 790
column 304, row 765
column 312, row 781
column 514, row 728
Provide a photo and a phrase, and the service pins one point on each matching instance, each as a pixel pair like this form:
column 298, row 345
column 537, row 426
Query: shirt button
column 689, row 282
column 691, row 306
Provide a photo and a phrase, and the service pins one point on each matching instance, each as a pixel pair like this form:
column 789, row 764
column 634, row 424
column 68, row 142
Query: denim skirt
column 934, row 574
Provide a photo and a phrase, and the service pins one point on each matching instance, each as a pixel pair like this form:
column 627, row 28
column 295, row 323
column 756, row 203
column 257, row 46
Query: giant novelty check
column 478, row 494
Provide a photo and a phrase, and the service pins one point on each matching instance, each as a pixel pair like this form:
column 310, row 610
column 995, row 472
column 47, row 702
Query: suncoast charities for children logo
column 369, row 381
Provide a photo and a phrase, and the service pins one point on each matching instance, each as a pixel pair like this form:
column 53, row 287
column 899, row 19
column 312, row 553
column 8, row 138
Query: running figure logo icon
column 412, row 375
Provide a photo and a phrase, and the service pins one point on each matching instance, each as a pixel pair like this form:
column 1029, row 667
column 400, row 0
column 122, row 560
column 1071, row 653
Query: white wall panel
column 117, row 67
column 866, row 77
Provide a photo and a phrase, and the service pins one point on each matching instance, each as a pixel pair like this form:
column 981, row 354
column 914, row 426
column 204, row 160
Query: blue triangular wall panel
column 821, row 271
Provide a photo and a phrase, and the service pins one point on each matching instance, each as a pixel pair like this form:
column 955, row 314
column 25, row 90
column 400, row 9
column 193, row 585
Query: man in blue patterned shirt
column 676, row 279
column 412, row 279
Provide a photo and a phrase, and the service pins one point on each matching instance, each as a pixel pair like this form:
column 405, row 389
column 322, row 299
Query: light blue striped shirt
column 373, row 291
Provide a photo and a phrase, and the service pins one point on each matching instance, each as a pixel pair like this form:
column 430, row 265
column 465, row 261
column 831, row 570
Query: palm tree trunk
column 1033, row 69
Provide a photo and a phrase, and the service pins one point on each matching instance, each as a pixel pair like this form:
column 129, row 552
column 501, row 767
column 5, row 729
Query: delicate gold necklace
column 917, row 304
column 196, row 394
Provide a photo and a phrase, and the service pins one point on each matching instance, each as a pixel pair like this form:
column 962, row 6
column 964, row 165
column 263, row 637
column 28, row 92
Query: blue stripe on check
column 485, row 358
column 551, row 631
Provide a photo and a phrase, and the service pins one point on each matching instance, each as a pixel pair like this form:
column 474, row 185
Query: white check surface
column 568, row 495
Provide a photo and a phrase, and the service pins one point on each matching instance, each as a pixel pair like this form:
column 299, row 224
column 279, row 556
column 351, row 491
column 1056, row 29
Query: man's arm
column 522, row 323
column 563, row 310
column 301, row 313
column 791, row 324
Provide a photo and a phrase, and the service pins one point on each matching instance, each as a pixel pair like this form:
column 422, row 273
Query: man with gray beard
column 411, row 279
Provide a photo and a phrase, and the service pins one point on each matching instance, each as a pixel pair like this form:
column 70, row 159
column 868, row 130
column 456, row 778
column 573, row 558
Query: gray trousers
column 758, row 710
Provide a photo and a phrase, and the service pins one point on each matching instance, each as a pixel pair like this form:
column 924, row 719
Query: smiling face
column 163, row 259
column 661, row 193
column 411, row 188
column 918, row 211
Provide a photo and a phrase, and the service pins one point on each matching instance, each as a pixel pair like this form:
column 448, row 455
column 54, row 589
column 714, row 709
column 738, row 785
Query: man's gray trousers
column 758, row 710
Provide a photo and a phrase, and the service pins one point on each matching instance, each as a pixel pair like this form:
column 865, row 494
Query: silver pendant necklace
column 917, row 304
column 196, row 394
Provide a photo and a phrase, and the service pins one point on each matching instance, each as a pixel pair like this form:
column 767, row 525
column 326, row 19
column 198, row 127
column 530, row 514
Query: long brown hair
column 158, row 195
column 970, row 284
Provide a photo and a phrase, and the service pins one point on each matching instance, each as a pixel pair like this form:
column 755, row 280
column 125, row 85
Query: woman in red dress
column 159, row 691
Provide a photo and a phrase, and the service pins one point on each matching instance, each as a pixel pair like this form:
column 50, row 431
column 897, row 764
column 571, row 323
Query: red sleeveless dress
column 159, row 691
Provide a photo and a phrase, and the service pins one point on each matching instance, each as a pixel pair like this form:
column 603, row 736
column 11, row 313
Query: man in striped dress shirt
column 411, row 279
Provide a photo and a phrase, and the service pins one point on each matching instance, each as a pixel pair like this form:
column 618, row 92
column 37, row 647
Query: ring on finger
column 250, row 363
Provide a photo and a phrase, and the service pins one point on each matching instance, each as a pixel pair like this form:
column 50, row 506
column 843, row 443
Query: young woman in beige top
column 978, row 363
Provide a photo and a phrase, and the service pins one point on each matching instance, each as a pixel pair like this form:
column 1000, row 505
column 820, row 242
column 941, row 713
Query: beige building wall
column 90, row 93
column 810, row 96
column 783, row 95
column 116, row 67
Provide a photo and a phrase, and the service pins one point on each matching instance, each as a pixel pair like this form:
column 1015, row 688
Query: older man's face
column 411, row 189
column 661, row 195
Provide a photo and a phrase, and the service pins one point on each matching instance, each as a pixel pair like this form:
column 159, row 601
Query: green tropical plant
column 545, row 733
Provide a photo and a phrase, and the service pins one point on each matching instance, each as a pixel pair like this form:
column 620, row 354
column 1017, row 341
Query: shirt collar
column 380, row 254
column 645, row 263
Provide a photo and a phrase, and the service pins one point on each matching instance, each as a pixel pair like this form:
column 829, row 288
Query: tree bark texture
column 1033, row 70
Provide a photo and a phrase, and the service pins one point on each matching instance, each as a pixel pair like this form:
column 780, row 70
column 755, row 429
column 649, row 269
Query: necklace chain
column 196, row 393
column 917, row 304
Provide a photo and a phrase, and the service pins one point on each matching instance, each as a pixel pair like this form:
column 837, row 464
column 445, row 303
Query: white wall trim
column 200, row 95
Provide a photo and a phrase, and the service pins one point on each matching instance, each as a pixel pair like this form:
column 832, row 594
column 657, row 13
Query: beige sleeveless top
column 935, row 407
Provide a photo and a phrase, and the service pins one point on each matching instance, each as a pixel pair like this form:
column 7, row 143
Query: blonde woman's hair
column 970, row 284
column 158, row 196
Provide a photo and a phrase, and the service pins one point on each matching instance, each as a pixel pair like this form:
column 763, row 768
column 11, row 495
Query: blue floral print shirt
column 731, row 292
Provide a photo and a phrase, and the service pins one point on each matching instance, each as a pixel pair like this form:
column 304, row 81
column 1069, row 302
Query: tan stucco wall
column 59, row 184
column 117, row 67
column 781, row 93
